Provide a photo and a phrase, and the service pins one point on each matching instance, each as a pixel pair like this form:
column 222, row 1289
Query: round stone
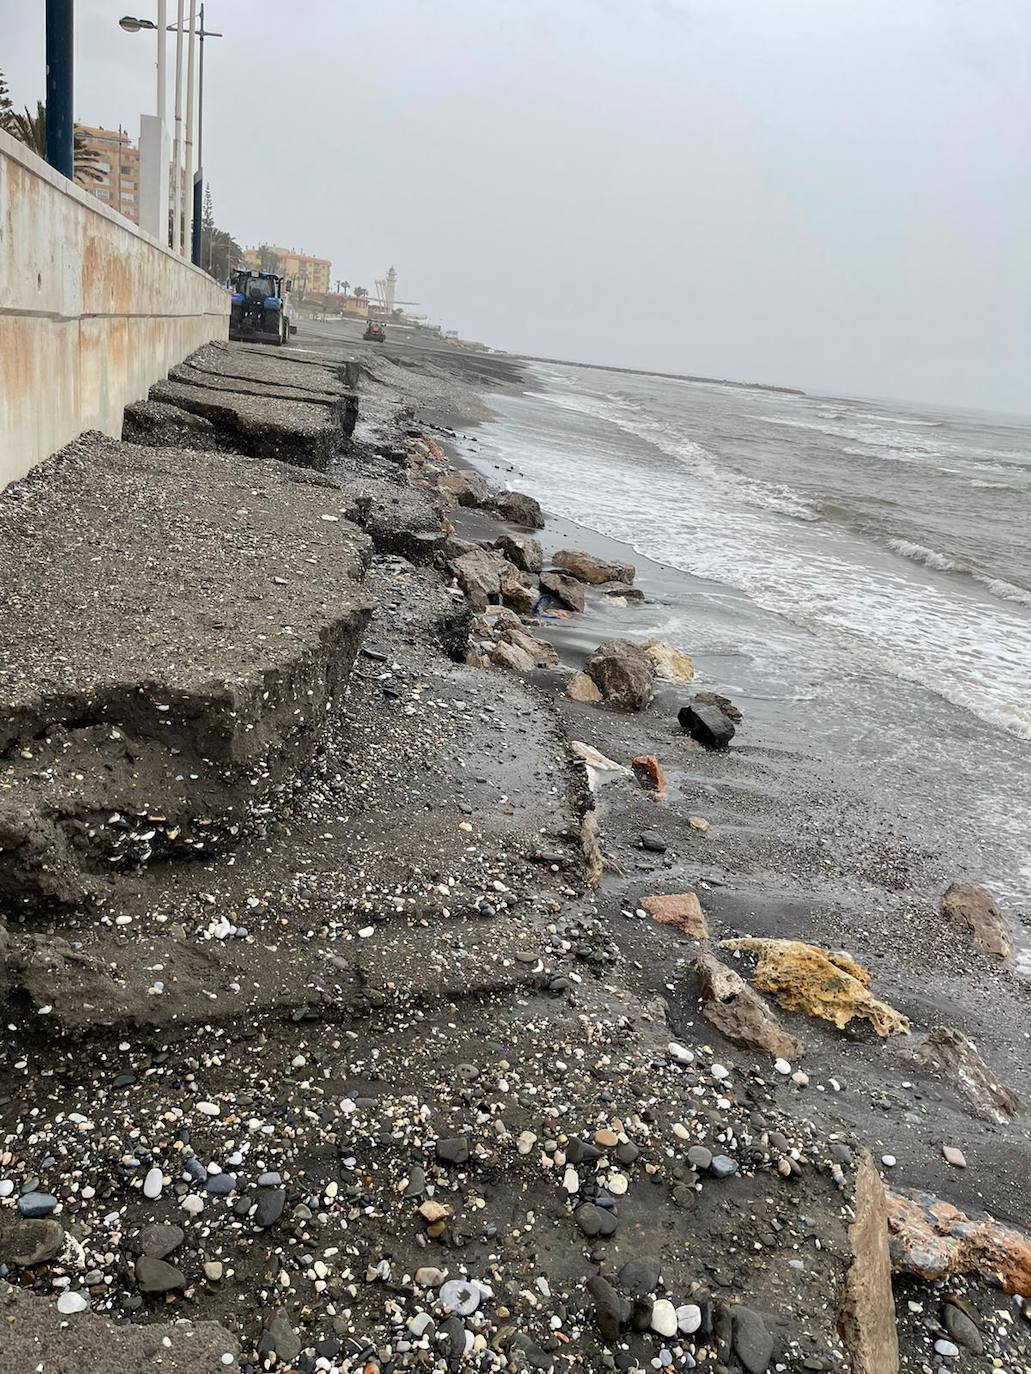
column 69, row 1303
column 460, row 1297
column 946, row 1348
column 782, row 1066
column 152, row 1183
column 664, row 1317
column 720, row 1071
column 679, row 1052
column 689, row 1318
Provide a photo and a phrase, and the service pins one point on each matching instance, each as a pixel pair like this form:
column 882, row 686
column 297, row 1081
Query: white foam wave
column 632, row 418
column 1006, row 591
column 930, row 558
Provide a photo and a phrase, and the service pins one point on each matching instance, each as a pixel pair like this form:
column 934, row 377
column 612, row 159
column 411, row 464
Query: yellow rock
column 670, row 663
column 580, row 687
column 820, row 983
column 698, row 823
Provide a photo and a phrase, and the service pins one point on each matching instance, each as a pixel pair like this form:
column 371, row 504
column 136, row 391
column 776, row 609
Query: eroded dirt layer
column 174, row 637
column 411, row 1079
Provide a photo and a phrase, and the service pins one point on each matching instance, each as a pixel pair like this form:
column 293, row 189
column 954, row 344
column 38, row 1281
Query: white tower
column 391, row 290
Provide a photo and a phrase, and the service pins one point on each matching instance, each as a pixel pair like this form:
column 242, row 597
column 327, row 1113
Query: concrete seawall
column 92, row 312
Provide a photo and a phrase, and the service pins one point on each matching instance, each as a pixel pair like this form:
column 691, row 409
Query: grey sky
column 834, row 194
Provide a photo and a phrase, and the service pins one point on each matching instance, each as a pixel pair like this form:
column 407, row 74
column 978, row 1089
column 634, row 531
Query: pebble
column 37, row 1204
column 719, row 1071
column 617, row 1184
column 946, row 1348
column 429, row 1277
column 69, row 1303
column 213, row 1270
column 664, row 1317
column 653, row 842
column 269, row 1207
column 954, row 1156
column 889, row 1161
column 689, row 1318
column 208, row 1109
column 699, row 1157
column 571, row 1180
column 723, row 1166
column 680, row 1053
column 153, row 1183
column 458, row 1296
column 193, row 1204
column 782, row 1067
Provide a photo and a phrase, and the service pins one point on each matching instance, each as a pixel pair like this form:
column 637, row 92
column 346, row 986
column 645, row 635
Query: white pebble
column 680, row 1053
column 193, row 1204
column 664, row 1317
column 782, row 1066
column 689, row 1318
column 889, row 1161
column 720, row 1071
column 571, row 1180
column 207, row 1109
column 71, row 1302
column 152, row 1183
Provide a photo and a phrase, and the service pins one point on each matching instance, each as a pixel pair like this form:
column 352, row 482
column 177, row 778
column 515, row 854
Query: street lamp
column 192, row 197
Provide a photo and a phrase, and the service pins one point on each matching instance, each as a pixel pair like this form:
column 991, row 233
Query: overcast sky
column 834, row 194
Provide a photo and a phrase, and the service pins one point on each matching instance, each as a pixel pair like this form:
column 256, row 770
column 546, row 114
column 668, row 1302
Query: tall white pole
column 187, row 191
column 177, row 146
column 162, row 109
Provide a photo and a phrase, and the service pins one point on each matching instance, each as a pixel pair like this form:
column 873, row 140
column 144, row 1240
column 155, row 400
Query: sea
column 859, row 572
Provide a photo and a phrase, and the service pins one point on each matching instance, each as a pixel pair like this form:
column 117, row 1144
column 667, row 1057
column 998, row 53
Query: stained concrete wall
column 92, row 311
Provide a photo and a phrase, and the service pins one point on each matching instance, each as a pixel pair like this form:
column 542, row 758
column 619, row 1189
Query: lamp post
column 59, row 54
column 191, row 194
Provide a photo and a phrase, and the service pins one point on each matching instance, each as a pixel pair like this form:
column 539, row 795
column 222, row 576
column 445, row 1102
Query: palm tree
column 31, row 129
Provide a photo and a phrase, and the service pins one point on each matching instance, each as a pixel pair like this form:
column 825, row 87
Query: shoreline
column 433, row 1044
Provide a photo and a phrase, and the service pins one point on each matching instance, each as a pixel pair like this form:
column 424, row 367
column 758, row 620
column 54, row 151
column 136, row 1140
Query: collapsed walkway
column 319, row 1042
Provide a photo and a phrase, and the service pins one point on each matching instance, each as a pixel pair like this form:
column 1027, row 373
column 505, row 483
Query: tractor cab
column 260, row 307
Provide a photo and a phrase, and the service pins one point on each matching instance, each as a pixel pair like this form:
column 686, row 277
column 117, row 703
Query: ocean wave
column 631, row 417
column 1005, row 591
column 930, row 558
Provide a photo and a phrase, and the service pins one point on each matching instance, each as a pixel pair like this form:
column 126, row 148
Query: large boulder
column 971, row 909
column 580, row 687
column 623, row 672
column 520, row 509
column 739, row 1013
column 522, row 550
column 566, row 590
column 465, row 488
column 517, row 589
column 670, row 663
column 819, row 982
column 934, row 1240
column 479, row 575
column 586, row 568
column 949, row 1053
column 706, row 724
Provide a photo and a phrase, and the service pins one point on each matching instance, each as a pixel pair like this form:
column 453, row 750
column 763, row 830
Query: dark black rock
column 653, row 842
column 593, row 1221
column 706, row 724
column 269, row 1208
column 753, row 1343
column 155, row 1276
column 27, row 1243
column 157, row 1240
column 281, row 1337
column 608, row 1309
column 962, row 1329
column 640, row 1275
column 35, row 1204
column 578, row 1150
column 454, row 1151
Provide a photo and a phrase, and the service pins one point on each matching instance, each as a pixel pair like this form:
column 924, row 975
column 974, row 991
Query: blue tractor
column 260, row 308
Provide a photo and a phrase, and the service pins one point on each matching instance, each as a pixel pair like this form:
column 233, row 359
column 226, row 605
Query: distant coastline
column 651, row 372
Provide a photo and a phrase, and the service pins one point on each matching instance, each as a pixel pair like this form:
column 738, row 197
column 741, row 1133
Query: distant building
column 118, row 167
column 309, row 274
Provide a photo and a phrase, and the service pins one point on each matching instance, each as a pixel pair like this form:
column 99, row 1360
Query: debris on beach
column 949, row 1053
column 739, row 1013
column 680, row 909
column 707, row 724
column 623, row 672
column 594, row 571
column 935, row 1240
column 649, row 774
column 671, row 664
column 580, row 687
column 972, row 910
column 819, row 982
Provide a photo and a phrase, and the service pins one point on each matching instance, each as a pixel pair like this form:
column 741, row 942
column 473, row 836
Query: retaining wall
column 92, row 311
